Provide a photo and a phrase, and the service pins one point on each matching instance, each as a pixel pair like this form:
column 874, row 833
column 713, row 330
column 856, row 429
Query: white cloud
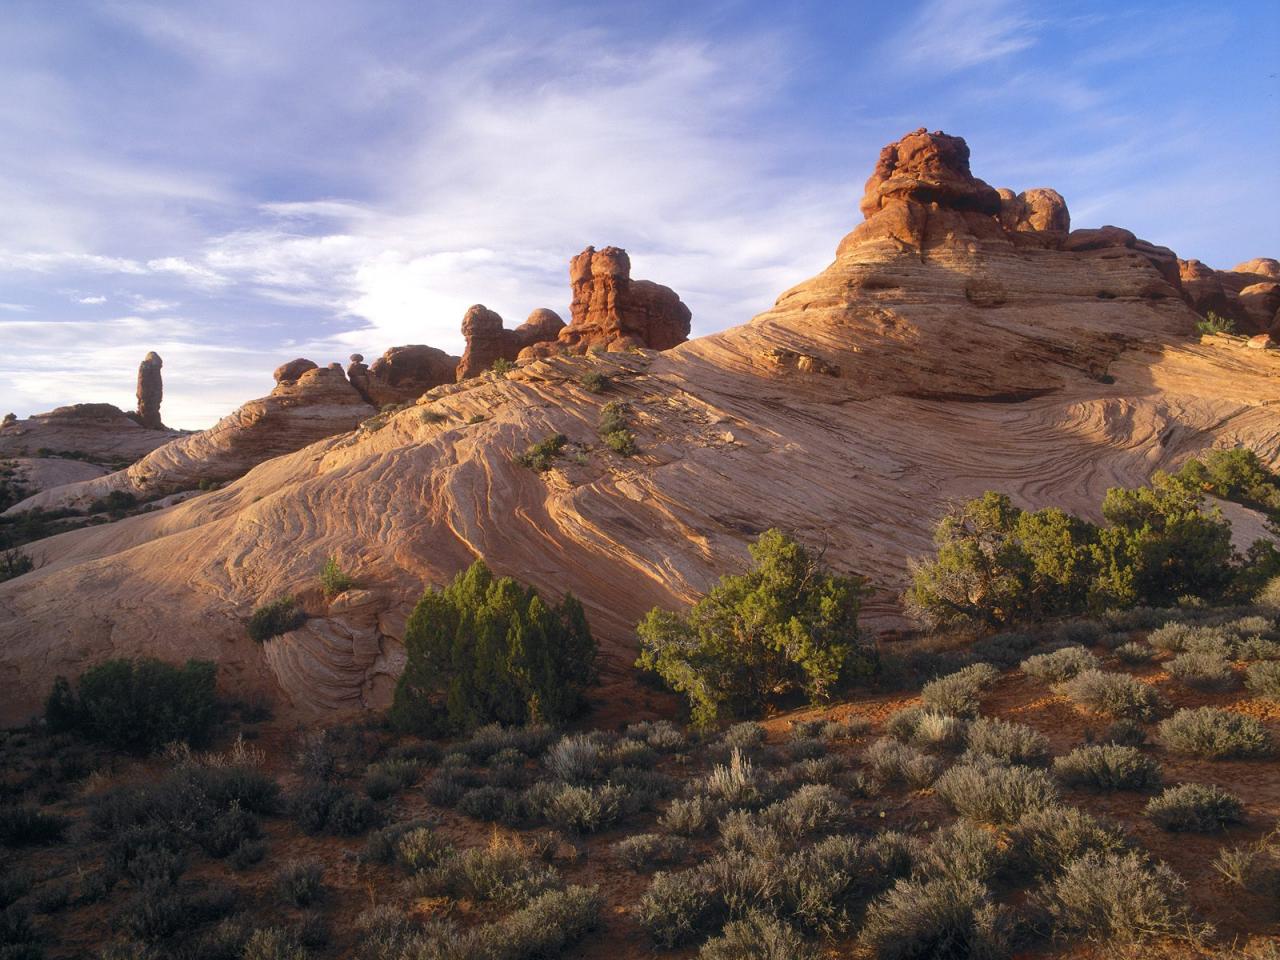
column 950, row 35
column 93, row 301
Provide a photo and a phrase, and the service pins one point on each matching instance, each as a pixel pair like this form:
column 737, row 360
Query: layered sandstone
column 100, row 432
column 318, row 404
column 947, row 350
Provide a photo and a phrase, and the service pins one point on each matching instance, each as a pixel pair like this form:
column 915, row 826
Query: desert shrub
column 946, row 919
column 893, row 762
column 1060, row 665
column 593, row 381
column 1007, row 741
column 758, row 937
column 505, row 871
column 1127, row 733
column 744, row 832
column 993, row 793
column 300, row 882
column 687, row 817
column 1084, row 632
column 996, row 563
column 643, row 850
column 247, row 854
column 1204, row 671
column 575, row 759
column 745, row 735
column 273, row 943
column 1044, row 842
column 1116, row 695
column 1211, row 324
column 421, row 848
column 825, row 885
column 1002, row 649
column 962, row 851
column 333, row 579
column 737, row 783
column 137, row 705
column 531, row 740
column 1215, row 734
column 1107, row 767
column 491, row 804
column 1263, row 679
column 1173, row 636
column 1195, row 807
column 586, row 809
column 644, row 787
column 275, row 618
column 383, row 779
column 486, row 649
column 545, row 927
column 1258, row 648
column 328, row 809
column 787, row 624
column 812, row 809
column 1254, row 867
column 679, row 907
column 959, row 693
column 14, row 563
column 541, row 456
column 661, row 735
column 228, row 831
column 1117, row 898
column 26, row 826
column 1134, row 653
column 927, row 728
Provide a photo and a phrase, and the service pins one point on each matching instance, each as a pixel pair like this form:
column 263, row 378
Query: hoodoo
column 150, row 391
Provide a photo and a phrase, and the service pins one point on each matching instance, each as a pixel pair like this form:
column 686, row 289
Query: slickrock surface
column 100, row 431
column 940, row 355
column 318, row 404
column 610, row 311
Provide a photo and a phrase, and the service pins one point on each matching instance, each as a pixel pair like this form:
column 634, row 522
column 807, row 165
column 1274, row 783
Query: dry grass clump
column 928, row 729
column 1214, row 734
column 1107, row 766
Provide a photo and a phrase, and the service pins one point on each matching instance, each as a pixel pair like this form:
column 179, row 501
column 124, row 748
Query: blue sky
column 234, row 184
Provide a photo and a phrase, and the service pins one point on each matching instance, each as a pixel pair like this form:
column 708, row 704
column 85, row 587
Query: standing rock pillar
column 150, row 391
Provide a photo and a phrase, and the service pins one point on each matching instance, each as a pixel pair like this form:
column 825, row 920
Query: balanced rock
column 358, row 374
column 611, row 311
column 150, row 391
column 488, row 342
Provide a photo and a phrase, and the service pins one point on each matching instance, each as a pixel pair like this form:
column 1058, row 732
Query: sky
column 234, row 183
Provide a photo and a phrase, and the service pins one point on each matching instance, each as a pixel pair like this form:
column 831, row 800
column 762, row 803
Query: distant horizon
column 233, row 186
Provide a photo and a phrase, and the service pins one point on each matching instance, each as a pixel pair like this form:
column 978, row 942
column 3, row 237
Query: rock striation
column 488, row 342
column 150, row 391
column 956, row 343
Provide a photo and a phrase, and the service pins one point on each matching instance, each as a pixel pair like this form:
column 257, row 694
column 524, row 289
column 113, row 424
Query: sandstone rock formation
column 150, row 391
column 941, row 354
column 488, row 342
column 318, row 404
column 612, row 312
column 291, row 371
column 358, row 375
column 1248, row 293
column 406, row 373
column 100, row 432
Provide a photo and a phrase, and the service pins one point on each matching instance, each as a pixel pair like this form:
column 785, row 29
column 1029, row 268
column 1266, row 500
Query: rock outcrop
column 612, row 312
column 318, row 404
column 150, row 391
column 941, row 354
column 403, row 374
column 291, row 371
column 488, row 342
column 100, row 432
column 1247, row 294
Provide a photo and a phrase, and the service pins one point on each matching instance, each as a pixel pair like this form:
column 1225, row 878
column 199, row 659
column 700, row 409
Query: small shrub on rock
column 1214, row 734
column 275, row 618
column 1195, row 807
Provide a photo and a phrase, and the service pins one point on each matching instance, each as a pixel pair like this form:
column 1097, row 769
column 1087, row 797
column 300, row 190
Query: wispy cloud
column 949, row 35
column 92, row 301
